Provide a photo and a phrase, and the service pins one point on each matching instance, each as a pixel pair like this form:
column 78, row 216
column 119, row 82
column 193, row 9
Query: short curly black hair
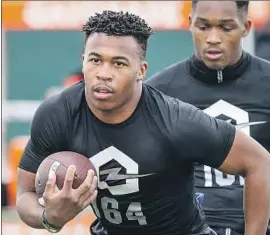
column 242, row 6
column 114, row 23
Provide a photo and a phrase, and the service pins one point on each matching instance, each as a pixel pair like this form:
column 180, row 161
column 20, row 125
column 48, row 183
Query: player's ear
column 189, row 21
column 247, row 28
column 143, row 70
column 82, row 58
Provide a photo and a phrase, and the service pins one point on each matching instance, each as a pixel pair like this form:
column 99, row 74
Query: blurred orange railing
column 70, row 15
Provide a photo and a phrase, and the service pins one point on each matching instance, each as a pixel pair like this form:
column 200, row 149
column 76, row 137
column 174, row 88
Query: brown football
column 59, row 163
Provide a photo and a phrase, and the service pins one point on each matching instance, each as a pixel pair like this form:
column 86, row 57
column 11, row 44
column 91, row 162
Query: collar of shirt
column 200, row 71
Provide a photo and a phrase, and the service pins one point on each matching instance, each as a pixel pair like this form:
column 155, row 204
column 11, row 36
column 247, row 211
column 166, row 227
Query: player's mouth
column 213, row 54
column 102, row 92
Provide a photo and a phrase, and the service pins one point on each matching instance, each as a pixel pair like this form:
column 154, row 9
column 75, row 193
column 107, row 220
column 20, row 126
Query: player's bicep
column 218, row 141
column 47, row 136
column 245, row 155
column 36, row 150
column 204, row 139
column 30, row 159
column 25, row 181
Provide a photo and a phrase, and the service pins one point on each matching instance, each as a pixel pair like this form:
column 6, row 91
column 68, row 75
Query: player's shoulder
column 166, row 75
column 261, row 67
column 73, row 96
column 168, row 105
column 173, row 115
column 63, row 104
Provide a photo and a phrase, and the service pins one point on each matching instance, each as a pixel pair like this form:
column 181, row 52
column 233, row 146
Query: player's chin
column 215, row 64
column 103, row 105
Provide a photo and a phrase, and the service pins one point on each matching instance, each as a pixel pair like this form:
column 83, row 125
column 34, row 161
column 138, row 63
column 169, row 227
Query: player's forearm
column 257, row 201
column 29, row 209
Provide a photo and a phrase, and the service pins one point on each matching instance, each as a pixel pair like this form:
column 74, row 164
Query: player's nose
column 105, row 72
column 213, row 37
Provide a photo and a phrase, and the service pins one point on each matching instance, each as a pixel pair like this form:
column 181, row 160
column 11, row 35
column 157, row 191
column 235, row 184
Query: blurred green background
column 38, row 60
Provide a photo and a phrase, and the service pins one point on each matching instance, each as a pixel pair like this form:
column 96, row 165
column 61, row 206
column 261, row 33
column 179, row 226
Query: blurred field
column 11, row 224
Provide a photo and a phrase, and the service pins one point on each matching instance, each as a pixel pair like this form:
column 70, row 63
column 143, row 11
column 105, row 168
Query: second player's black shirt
column 144, row 164
column 238, row 94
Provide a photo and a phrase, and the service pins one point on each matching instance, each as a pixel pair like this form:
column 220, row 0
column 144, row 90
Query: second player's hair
column 242, row 6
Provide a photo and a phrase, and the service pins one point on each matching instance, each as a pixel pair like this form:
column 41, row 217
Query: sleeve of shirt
column 162, row 79
column 47, row 134
column 197, row 137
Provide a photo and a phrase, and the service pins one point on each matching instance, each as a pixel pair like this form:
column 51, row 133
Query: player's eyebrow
column 121, row 58
column 202, row 19
column 94, row 54
column 114, row 58
column 226, row 20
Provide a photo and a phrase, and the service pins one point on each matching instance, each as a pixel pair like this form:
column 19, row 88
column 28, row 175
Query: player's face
column 217, row 29
column 113, row 70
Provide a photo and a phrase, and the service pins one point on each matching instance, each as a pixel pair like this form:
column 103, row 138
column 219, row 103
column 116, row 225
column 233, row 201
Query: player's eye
column 119, row 64
column 226, row 29
column 203, row 27
column 94, row 60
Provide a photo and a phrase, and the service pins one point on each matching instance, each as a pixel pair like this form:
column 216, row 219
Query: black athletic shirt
column 239, row 94
column 144, row 164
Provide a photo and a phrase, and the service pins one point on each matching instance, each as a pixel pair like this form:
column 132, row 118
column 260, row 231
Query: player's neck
column 237, row 59
column 119, row 114
column 200, row 71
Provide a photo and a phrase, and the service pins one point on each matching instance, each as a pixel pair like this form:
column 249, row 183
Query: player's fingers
column 89, row 192
column 50, row 185
column 67, row 187
column 93, row 185
column 90, row 199
column 86, row 185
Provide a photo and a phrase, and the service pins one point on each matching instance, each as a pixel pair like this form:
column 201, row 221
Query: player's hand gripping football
column 64, row 205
